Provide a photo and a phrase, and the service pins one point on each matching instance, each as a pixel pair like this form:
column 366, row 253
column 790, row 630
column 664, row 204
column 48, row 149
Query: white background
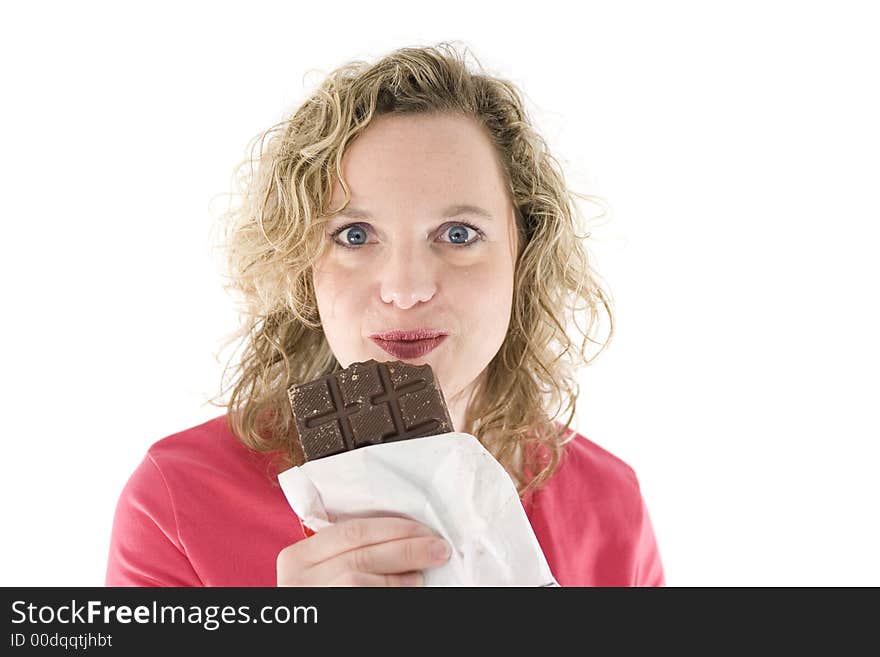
column 737, row 144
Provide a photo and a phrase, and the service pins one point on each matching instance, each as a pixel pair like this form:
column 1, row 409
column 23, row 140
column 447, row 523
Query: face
column 410, row 257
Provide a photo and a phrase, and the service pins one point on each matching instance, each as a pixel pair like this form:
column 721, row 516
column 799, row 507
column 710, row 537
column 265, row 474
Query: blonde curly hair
column 274, row 235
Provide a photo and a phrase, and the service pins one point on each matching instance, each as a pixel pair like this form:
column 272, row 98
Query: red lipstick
column 409, row 344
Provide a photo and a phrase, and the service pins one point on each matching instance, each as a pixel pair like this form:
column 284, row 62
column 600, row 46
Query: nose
column 406, row 277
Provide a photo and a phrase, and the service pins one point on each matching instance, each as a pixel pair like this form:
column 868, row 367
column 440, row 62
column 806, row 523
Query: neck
column 458, row 405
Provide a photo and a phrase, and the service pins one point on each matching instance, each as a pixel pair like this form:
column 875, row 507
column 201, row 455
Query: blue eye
column 458, row 234
column 357, row 235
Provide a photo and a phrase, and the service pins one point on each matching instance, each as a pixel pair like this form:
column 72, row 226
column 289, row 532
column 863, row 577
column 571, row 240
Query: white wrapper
column 450, row 483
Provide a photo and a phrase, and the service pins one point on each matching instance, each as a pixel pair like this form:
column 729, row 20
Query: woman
column 407, row 210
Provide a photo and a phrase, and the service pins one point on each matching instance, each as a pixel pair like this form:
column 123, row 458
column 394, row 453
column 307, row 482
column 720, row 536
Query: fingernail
column 439, row 550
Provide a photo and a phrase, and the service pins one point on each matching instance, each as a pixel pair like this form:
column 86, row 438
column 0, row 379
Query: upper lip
column 411, row 334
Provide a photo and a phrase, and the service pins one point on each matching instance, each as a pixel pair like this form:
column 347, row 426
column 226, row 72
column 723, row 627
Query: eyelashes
column 365, row 227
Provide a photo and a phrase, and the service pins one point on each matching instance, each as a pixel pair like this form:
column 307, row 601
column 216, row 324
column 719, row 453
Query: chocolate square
column 368, row 403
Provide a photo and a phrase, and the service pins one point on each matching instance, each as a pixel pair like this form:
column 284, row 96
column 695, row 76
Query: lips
column 409, row 335
column 406, row 345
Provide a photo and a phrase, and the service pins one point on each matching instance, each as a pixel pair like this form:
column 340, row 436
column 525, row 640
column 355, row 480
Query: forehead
column 439, row 158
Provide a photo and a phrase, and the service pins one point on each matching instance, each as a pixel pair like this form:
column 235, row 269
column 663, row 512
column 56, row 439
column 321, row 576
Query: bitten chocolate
column 368, row 403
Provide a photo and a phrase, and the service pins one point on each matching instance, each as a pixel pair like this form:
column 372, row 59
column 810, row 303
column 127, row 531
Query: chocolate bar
column 367, row 403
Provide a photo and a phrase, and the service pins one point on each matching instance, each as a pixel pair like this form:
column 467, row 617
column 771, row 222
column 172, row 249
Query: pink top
column 204, row 510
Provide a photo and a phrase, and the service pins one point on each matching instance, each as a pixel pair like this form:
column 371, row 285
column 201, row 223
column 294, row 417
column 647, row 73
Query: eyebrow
column 449, row 213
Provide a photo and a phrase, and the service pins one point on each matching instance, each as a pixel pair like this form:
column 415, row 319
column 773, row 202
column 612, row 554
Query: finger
column 398, row 556
column 374, row 580
column 356, row 533
column 389, row 558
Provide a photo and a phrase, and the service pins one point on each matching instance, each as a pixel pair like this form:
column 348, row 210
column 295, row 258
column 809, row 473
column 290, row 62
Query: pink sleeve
column 649, row 568
column 145, row 549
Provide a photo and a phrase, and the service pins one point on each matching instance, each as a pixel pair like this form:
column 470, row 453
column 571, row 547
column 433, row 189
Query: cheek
column 484, row 293
column 337, row 291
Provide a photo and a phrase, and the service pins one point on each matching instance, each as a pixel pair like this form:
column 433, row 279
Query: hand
column 363, row 552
